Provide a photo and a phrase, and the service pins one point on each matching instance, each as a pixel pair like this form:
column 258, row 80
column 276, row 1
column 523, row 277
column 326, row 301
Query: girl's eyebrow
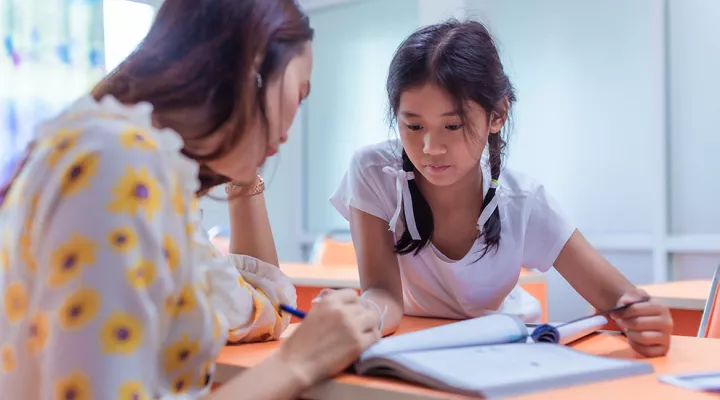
column 409, row 114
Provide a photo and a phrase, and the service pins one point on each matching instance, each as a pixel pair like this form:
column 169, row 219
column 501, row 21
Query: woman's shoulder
column 108, row 129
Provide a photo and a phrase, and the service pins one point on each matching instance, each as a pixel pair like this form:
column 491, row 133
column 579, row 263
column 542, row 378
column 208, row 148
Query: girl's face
column 434, row 138
column 284, row 94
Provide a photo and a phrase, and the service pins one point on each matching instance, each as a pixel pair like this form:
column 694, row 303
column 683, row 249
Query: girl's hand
column 332, row 336
column 647, row 325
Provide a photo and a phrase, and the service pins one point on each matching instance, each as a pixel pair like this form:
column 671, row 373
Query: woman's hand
column 647, row 325
column 334, row 333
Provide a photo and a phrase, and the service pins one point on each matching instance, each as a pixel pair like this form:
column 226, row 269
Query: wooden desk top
column 686, row 295
column 346, row 276
column 686, row 354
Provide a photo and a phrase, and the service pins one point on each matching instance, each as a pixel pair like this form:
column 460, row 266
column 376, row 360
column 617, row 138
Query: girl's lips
column 437, row 169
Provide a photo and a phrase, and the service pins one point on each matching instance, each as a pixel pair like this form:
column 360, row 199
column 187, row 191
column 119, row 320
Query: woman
column 109, row 287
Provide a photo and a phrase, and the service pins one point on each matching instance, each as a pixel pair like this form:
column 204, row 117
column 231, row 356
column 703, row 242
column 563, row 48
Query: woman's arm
column 335, row 332
column 378, row 266
column 250, row 232
column 647, row 325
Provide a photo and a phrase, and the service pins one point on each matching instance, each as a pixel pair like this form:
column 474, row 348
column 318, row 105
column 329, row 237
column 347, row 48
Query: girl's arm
column 378, row 266
column 250, row 232
column 590, row 274
column 647, row 325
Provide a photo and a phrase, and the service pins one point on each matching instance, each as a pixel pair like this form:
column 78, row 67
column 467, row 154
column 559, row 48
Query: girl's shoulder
column 387, row 153
column 516, row 184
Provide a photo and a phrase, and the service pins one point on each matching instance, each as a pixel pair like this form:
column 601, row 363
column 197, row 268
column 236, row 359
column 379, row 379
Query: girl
column 109, row 287
column 461, row 227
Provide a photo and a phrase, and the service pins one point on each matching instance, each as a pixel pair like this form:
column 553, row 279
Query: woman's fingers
column 368, row 319
column 343, row 296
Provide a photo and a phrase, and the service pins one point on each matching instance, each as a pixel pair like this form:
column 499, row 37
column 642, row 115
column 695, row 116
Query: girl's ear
column 498, row 117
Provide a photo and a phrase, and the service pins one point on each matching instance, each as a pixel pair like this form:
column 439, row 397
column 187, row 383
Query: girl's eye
column 455, row 127
column 414, row 127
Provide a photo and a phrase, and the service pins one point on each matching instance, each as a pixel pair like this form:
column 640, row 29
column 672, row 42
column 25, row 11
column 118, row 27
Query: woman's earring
column 259, row 80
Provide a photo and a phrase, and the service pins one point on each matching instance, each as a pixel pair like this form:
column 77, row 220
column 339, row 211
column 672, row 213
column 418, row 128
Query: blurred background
column 616, row 114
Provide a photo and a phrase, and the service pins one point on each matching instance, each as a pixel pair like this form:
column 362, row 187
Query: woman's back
column 109, row 261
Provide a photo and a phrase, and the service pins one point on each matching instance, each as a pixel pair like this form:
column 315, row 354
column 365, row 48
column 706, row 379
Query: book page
column 503, row 369
column 579, row 329
column 486, row 330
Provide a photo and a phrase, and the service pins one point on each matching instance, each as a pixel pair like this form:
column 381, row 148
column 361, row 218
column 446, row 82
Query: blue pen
column 292, row 311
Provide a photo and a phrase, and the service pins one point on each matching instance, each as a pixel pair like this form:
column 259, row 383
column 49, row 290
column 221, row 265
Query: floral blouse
column 109, row 286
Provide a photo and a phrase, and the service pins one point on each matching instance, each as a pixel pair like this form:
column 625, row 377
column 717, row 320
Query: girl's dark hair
column 462, row 59
column 203, row 54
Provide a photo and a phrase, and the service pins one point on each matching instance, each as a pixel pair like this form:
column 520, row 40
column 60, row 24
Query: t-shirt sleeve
column 360, row 188
column 546, row 233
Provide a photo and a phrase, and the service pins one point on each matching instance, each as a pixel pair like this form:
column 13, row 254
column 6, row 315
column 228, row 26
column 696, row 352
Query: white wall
column 589, row 118
column 347, row 108
column 694, row 118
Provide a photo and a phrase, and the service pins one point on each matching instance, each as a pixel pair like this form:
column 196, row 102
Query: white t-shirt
column 533, row 232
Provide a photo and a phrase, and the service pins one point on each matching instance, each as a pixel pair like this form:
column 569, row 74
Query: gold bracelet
column 255, row 188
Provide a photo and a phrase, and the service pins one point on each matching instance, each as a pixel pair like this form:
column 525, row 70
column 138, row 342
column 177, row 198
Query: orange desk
column 309, row 279
column 687, row 354
column 686, row 300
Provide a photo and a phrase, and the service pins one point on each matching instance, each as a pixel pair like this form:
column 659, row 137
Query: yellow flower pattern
column 16, row 302
column 26, row 252
column 122, row 239
column 142, row 274
column 4, row 259
column 38, row 332
column 133, row 390
column 9, row 358
column 60, row 144
column 185, row 302
column 79, row 309
column 99, row 260
column 75, row 386
column 206, row 375
column 137, row 191
column 122, row 333
column 177, row 200
column 177, row 354
column 171, row 252
column 78, row 174
column 182, row 383
column 135, row 138
column 70, row 258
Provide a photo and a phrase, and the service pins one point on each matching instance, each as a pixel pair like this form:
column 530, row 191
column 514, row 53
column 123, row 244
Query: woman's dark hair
column 203, row 54
column 462, row 59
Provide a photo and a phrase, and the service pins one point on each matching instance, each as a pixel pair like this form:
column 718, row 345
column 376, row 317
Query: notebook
column 495, row 356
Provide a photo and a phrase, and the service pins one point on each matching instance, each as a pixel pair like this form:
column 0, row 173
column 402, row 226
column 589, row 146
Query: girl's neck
column 466, row 193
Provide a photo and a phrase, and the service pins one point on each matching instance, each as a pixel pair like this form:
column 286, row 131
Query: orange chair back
column 336, row 252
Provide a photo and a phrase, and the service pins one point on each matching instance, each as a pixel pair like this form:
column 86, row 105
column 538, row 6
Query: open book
column 494, row 356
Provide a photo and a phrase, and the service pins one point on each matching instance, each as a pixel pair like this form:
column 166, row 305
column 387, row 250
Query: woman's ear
column 498, row 117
